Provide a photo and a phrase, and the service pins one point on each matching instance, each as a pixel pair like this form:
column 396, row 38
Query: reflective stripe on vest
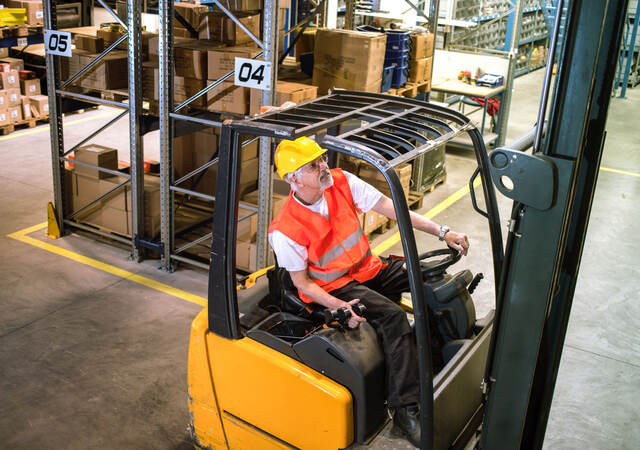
column 332, row 276
column 339, row 249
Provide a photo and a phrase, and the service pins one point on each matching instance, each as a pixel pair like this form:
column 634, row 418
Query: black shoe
column 407, row 423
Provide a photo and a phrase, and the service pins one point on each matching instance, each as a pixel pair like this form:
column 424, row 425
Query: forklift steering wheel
column 436, row 268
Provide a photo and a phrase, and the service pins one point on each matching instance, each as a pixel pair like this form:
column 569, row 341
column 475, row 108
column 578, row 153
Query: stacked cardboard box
column 196, row 149
column 33, row 10
column 348, row 59
column 10, row 99
column 112, row 213
column 286, row 91
column 421, row 57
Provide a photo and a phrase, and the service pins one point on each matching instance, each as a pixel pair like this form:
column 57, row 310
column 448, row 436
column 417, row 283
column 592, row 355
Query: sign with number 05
column 253, row 74
column 57, row 42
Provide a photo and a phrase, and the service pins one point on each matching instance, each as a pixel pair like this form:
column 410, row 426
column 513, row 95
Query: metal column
column 135, row 142
column 55, row 118
column 165, row 52
column 515, row 18
column 265, row 174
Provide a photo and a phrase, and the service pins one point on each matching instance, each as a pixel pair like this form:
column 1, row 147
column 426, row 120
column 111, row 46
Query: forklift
column 265, row 372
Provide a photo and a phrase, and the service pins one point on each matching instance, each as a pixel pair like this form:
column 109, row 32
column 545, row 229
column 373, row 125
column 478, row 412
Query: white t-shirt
column 293, row 256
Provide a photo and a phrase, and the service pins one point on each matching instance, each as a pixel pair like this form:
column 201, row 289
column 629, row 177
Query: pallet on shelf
column 10, row 128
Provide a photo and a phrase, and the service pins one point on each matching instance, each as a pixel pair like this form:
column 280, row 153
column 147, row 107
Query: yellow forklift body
column 243, row 394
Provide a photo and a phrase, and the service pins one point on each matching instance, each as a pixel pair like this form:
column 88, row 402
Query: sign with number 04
column 253, row 74
column 57, row 42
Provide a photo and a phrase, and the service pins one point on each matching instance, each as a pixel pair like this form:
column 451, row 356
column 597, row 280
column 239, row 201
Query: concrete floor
column 89, row 358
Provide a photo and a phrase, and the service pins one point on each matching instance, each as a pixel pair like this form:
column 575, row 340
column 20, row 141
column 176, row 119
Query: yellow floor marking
column 395, row 238
column 622, row 172
column 158, row 286
column 46, row 128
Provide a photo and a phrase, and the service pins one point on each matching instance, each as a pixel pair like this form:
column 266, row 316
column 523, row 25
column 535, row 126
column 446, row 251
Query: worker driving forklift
column 319, row 352
column 318, row 240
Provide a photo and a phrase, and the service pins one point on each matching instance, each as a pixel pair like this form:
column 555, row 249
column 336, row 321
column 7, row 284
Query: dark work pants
column 381, row 295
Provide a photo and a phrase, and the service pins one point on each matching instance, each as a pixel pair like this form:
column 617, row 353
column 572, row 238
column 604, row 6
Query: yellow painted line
column 460, row 193
column 65, row 124
column 621, row 172
column 158, row 286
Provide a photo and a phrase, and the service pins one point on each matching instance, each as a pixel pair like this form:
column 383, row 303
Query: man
column 317, row 238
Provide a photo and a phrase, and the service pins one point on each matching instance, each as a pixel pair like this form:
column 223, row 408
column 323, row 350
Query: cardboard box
column 4, row 102
column 285, row 91
column 15, row 63
column 416, row 70
column 13, row 97
column 153, row 46
column 150, row 81
column 33, row 9
column 84, row 190
column 96, row 155
column 217, row 26
column 185, row 88
column 15, row 113
column 92, row 44
column 191, row 13
column 109, row 37
column 373, row 176
column 110, row 73
column 306, row 43
column 4, row 52
column 421, row 46
column 246, row 254
column 4, row 118
column 222, row 60
column 348, row 59
column 251, row 198
column 9, row 79
column 427, row 68
column 39, row 105
column 26, row 108
column 228, row 97
column 30, row 87
column 243, row 5
column 191, row 58
column 121, row 199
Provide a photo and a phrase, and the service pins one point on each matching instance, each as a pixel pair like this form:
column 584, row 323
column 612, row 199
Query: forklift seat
column 283, row 295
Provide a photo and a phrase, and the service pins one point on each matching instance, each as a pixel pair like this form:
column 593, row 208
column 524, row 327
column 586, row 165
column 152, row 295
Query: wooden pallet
column 8, row 129
column 441, row 179
column 411, row 89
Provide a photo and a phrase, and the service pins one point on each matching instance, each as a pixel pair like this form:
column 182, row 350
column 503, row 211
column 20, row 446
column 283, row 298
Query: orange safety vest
column 338, row 250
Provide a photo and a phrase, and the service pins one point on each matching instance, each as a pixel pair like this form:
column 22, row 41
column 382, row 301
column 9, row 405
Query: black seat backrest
column 284, row 295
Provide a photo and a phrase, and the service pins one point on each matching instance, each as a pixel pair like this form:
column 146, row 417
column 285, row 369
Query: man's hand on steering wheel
column 458, row 241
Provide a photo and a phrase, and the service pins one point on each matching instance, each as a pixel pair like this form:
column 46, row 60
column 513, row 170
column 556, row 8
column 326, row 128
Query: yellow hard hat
column 291, row 155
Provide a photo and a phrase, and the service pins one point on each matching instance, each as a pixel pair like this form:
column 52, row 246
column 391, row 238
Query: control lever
column 474, row 283
column 342, row 315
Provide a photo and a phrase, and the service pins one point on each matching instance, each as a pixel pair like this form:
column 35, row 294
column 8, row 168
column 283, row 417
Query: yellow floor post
column 53, row 230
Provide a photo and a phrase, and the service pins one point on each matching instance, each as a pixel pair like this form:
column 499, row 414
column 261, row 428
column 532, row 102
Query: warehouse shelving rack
column 628, row 71
column 170, row 114
column 172, row 120
column 490, row 24
column 57, row 91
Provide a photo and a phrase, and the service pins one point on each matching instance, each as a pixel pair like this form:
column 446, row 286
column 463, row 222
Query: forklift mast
column 553, row 191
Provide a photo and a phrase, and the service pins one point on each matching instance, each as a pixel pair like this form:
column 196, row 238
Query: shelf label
column 253, row 74
column 22, row 42
column 57, row 42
